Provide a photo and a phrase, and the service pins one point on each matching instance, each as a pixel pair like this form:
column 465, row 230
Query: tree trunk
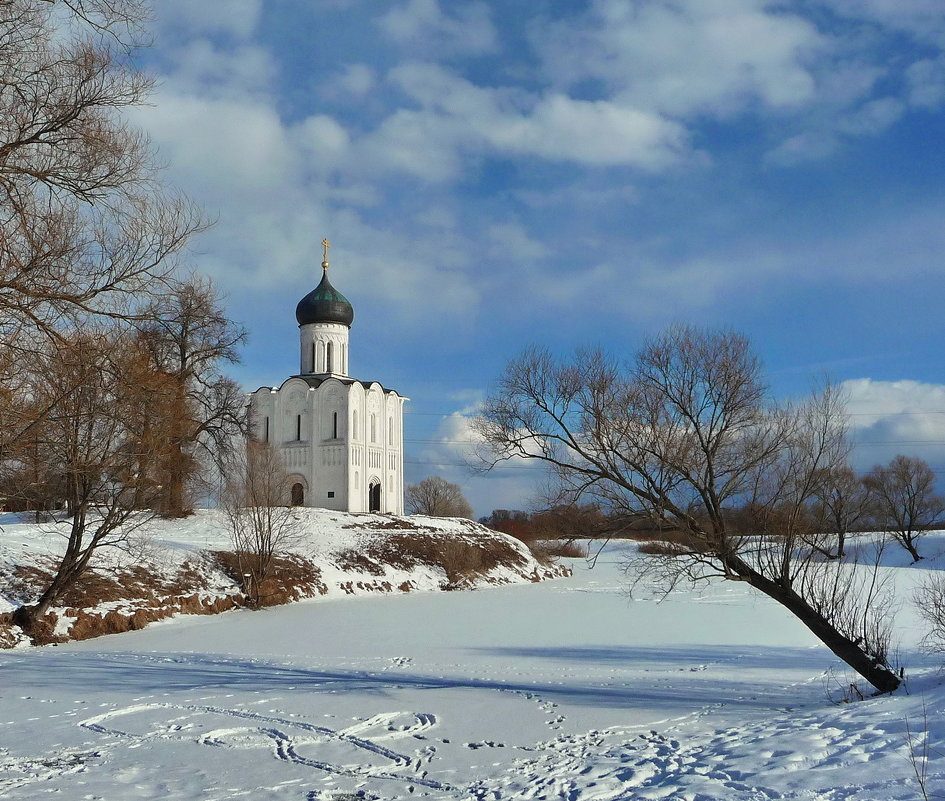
column 876, row 673
column 909, row 543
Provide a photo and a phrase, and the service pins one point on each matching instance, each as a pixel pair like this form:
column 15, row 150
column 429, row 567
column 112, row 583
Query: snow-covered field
column 562, row 689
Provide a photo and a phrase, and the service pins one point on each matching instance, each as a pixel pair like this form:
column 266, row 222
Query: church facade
column 341, row 439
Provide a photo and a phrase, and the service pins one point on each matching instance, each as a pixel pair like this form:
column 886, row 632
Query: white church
column 341, row 439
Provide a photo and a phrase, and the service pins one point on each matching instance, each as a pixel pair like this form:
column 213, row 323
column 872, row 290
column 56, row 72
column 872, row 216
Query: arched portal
column 298, row 494
column 374, row 496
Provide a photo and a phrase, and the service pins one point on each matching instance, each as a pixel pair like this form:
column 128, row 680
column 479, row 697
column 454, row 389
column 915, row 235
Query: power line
column 455, row 412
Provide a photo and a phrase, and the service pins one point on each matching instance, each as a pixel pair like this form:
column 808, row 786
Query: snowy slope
column 561, row 689
column 170, row 566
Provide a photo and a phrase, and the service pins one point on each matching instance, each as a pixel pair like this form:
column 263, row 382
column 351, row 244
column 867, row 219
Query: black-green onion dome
column 324, row 304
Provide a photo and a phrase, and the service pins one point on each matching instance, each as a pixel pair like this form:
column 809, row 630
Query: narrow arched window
column 328, row 357
column 373, row 428
column 266, row 434
column 334, row 425
column 313, row 358
column 298, row 427
column 354, row 424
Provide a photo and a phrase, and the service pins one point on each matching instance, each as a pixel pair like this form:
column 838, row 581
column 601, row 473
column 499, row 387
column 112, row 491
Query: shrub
column 929, row 599
column 568, row 548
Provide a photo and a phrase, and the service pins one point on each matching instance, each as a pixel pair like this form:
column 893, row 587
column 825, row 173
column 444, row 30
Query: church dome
column 324, row 304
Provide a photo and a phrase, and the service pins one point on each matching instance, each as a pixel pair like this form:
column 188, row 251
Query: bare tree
column 841, row 505
column 86, row 232
column 261, row 523
column 187, row 336
column 91, row 442
column 904, row 501
column 437, row 497
column 929, row 600
column 683, row 435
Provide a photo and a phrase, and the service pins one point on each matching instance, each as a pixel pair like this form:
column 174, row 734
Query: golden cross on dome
column 326, row 245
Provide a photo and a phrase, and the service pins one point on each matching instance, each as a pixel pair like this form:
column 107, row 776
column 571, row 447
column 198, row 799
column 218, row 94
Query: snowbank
column 187, row 567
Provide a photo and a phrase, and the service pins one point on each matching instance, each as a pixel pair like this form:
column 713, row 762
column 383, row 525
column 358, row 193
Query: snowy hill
column 183, row 566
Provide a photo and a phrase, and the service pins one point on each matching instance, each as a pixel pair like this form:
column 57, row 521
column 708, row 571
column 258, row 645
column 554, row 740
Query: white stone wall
column 314, row 340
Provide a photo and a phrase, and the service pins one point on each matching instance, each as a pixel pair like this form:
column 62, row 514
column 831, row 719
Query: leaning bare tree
column 437, row 497
column 903, row 500
column 261, row 523
column 684, row 435
column 91, row 445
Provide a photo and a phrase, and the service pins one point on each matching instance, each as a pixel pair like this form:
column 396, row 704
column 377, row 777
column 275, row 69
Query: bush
column 568, row 548
column 461, row 560
column 661, row 548
column 929, row 599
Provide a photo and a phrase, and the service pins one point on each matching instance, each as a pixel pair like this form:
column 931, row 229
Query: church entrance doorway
column 374, row 496
column 298, row 494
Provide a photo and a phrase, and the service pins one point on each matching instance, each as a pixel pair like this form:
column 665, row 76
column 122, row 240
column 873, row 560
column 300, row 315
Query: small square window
column 331, row 495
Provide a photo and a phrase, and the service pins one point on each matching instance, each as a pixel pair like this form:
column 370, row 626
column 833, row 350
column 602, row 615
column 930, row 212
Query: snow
column 165, row 561
column 561, row 689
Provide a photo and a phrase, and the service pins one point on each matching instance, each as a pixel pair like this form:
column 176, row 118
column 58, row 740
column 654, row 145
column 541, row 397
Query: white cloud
column 593, row 132
column 457, row 117
column 806, row 146
column 514, row 484
column 892, row 417
column 325, row 139
column 204, row 68
column 927, row 83
column 872, row 117
column 356, row 80
column 923, row 19
column 686, row 57
column 237, row 18
column 219, row 146
column 424, row 27
column 509, row 243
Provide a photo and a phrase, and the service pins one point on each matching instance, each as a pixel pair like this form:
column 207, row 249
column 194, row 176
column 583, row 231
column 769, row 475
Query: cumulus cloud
column 237, row 18
column 423, row 26
column 452, row 451
column 457, row 117
column 806, row 146
column 922, row 19
column 510, row 243
column 202, row 67
column 892, row 417
column 873, row 117
column 926, row 79
column 352, row 82
column 685, row 57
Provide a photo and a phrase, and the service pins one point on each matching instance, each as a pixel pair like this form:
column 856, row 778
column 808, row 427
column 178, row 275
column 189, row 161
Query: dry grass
column 146, row 598
column 566, row 548
column 291, row 578
column 662, row 548
column 461, row 558
column 142, row 597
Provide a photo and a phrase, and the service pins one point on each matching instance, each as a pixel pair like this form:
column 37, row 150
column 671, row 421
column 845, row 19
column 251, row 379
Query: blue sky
column 494, row 174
